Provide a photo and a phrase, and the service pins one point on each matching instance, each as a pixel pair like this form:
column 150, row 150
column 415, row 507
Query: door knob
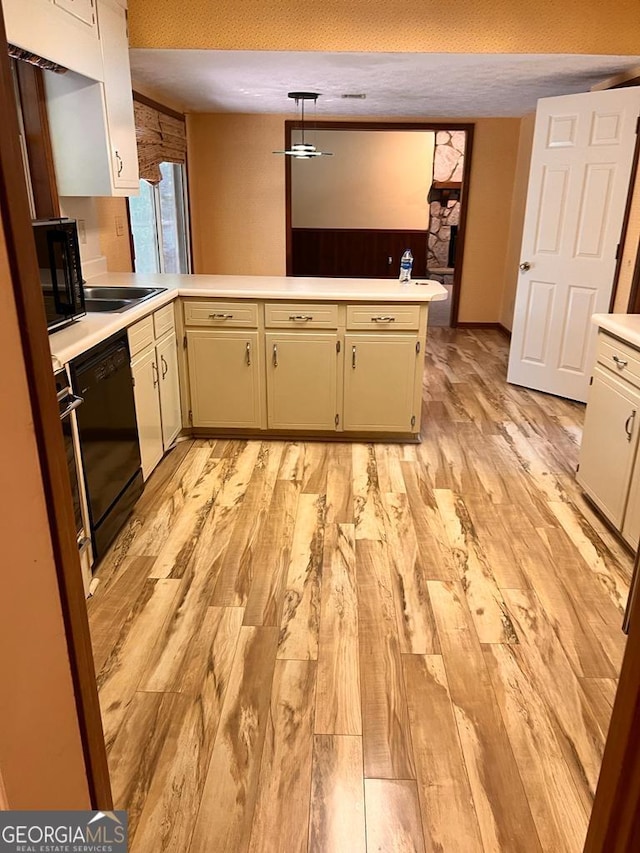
column 525, row 265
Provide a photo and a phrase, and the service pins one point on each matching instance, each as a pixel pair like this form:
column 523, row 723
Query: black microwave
column 61, row 281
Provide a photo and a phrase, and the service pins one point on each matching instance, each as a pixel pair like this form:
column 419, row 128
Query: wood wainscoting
column 356, row 252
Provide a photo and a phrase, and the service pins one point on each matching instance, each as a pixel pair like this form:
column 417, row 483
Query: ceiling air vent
column 354, row 96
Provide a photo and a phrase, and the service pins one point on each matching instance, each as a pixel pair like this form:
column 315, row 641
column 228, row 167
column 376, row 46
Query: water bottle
column 406, row 263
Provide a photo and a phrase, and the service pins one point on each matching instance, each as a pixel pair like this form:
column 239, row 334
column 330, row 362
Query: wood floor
column 343, row 648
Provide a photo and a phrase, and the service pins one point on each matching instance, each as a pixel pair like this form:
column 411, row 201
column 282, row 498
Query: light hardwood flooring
column 344, row 647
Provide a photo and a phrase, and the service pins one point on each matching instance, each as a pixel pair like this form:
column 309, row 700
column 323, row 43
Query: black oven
column 58, row 252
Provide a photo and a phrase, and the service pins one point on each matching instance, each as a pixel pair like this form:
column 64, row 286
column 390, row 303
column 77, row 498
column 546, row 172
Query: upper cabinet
column 114, row 38
column 92, row 125
column 83, row 10
column 64, row 31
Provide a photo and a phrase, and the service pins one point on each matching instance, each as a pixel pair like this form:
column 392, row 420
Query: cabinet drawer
column 622, row 359
column 304, row 315
column 392, row 317
column 140, row 335
column 164, row 321
column 224, row 314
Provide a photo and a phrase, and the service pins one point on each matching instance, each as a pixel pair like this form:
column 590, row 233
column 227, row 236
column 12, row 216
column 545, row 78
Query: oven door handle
column 74, row 403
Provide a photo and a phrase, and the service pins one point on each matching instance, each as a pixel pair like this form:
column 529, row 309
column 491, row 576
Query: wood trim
column 506, row 332
column 615, row 819
column 417, row 231
column 634, row 293
column 38, row 140
column 498, row 327
column 625, row 224
column 14, row 209
column 156, row 105
column 468, row 128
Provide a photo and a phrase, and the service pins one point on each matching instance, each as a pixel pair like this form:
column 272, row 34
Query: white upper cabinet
column 83, row 10
column 92, row 126
column 64, row 31
column 114, row 38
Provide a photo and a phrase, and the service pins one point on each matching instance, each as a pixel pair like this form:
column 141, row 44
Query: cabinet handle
column 165, row 366
column 275, row 355
column 120, row 163
column 248, row 352
column 620, row 362
column 383, row 319
column 154, row 368
column 628, row 425
column 353, row 357
column 221, row 316
column 303, row 317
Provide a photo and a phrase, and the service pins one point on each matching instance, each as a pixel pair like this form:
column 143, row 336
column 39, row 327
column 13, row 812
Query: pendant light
column 304, row 150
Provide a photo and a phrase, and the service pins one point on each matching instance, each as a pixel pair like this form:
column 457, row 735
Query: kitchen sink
column 115, row 299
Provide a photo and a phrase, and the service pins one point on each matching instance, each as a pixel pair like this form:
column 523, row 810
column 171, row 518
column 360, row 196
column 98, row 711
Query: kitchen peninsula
column 270, row 355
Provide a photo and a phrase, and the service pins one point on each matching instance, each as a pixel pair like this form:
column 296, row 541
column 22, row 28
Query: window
column 160, row 223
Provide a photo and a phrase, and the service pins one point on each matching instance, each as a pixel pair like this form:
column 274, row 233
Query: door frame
column 614, row 826
column 468, row 128
column 16, row 220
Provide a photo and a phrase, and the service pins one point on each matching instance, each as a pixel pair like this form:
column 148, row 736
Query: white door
column 580, row 167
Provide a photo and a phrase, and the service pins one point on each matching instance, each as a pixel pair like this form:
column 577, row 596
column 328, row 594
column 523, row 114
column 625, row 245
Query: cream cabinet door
column 302, row 374
column 169, row 389
column 83, row 10
column 224, row 378
column 118, row 96
column 379, row 377
column 146, row 379
column 631, row 525
column 609, row 442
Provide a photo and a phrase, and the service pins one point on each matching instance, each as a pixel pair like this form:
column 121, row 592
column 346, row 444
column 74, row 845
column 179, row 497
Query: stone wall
column 448, row 163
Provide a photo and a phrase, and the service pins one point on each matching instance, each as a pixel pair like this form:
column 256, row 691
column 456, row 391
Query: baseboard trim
column 496, row 327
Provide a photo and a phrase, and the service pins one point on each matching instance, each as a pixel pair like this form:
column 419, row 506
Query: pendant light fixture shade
column 303, row 150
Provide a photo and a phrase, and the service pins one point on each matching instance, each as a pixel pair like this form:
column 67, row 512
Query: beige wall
column 467, row 26
column 41, row 758
column 116, row 247
column 375, row 179
column 518, row 203
column 238, row 202
column 630, row 253
column 236, row 190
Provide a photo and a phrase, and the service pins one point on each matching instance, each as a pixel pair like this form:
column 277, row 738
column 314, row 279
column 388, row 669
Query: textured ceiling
column 396, row 84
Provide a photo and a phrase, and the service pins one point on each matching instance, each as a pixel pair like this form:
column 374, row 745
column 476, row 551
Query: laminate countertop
column 95, row 327
column 623, row 326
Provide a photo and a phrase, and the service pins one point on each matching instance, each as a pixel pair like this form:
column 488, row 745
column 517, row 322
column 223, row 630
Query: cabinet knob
column 353, row 357
column 165, row 366
column 154, row 370
column 387, row 318
column 248, row 354
column 304, row 317
column 275, row 355
column 620, row 362
column 221, row 316
column 120, row 163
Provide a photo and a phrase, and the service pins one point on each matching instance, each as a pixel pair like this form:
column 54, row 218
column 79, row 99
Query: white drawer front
column 620, row 358
column 164, row 321
column 221, row 314
column 302, row 315
column 380, row 317
column 140, row 335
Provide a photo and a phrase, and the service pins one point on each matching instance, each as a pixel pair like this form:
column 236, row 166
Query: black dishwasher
column 108, row 437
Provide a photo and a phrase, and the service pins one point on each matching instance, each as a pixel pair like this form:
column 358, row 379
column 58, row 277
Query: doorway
column 349, row 221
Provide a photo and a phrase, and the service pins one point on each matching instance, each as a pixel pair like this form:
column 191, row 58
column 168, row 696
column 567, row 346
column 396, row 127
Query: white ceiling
column 396, row 84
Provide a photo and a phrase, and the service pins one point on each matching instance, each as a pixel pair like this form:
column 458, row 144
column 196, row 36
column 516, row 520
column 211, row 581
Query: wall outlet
column 119, row 226
column 82, row 231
